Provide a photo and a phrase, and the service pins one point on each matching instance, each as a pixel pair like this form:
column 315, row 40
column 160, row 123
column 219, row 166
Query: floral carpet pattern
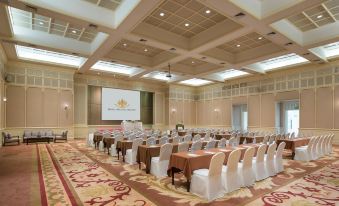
column 92, row 184
column 96, row 178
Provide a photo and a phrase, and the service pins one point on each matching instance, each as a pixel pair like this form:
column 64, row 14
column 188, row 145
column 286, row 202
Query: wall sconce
column 216, row 110
column 4, row 99
column 173, row 110
column 66, row 107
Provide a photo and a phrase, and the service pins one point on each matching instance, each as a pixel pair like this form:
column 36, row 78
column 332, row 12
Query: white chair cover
column 196, row 146
column 222, row 143
column 211, row 144
column 183, row 147
column 278, row 158
column 90, row 140
column 187, row 138
column 159, row 165
column 131, row 154
column 163, row 140
column 230, row 177
column 209, row 178
column 245, row 168
column 314, row 148
column 269, row 160
column 150, row 141
column 304, row 153
column 258, row 163
column 176, row 140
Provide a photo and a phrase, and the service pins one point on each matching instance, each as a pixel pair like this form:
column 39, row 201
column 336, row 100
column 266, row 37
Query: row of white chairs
column 220, row 179
column 317, row 147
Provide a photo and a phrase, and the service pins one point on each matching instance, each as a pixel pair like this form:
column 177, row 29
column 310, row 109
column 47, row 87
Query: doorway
column 239, row 117
column 287, row 116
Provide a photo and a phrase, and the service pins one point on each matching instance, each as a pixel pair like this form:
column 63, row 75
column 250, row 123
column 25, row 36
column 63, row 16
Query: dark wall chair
column 9, row 139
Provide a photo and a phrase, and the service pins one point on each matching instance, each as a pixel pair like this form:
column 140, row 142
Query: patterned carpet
column 74, row 174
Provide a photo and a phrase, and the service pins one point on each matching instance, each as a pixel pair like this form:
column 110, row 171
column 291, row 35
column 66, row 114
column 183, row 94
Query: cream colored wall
column 3, row 60
column 34, row 102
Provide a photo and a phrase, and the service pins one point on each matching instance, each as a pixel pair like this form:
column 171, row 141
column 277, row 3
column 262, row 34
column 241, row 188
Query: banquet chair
column 101, row 144
column 314, row 155
column 176, row 140
column 330, row 144
column 323, row 146
column 247, row 176
column 304, row 153
column 271, row 140
column 229, row 174
column 318, row 151
column 159, row 165
column 231, row 142
column 196, row 146
column 269, row 160
column 131, row 154
column 259, row 165
column 90, row 140
column 196, row 138
column 150, row 141
column 163, row 140
column 210, row 179
column 278, row 158
column 265, row 140
column 222, row 143
column 211, row 144
column 327, row 139
column 183, row 147
column 187, row 138
column 114, row 146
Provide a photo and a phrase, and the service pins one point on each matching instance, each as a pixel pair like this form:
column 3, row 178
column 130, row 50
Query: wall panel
column 253, row 109
column 307, row 108
column 80, row 104
column 50, row 107
column 34, row 103
column 336, row 107
column 65, row 115
column 267, row 110
column 15, row 106
column 324, row 108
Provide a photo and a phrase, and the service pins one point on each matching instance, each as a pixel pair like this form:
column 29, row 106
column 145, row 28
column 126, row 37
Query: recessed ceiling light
column 41, row 23
column 145, row 50
column 260, row 37
column 319, row 16
column 192, row 62
column 187, row 24
column 124, row 44
column 238, row 45
column 208, row 11
column 74, row 32
column 162, row 14
column 98, row 73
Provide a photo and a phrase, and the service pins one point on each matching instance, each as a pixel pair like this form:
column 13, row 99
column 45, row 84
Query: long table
column 146, row 152
column 187, row 162
column 294, row 143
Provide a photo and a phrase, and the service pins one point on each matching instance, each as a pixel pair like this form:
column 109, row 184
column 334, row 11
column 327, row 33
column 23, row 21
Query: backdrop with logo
column 119, row 104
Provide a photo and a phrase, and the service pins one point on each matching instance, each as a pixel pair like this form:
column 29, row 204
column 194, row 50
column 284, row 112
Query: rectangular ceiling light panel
column 29, row 53
column 195, row 82
column 281, row 61
column 115, row 68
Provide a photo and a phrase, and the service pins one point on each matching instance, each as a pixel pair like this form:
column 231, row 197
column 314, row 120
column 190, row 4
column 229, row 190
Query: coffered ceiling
column 209, row 40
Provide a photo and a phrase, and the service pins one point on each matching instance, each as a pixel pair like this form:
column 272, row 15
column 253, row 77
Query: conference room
column 169, row 102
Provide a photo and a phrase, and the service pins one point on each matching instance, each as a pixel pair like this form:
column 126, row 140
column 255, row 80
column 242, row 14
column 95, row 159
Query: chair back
column 183, row 147
column 233, row 159
column 216, row 164
column 150, row 141
column 271, row 139
column 248, row 156
column 117, row 139
column 136, row 143
column 280, row 150
column 232, row 141
column 196, row 146
column 163, row 140
column 165, row 151
column 265, row 140
column 187, row 138
column 261, row 153
column 176, row 140
column 211, row 144
column 222, row 143
column 196, row 138
column 106, row 135
column 271, row 151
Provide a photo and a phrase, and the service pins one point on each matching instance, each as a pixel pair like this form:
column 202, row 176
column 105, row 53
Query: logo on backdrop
column 122, row 104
